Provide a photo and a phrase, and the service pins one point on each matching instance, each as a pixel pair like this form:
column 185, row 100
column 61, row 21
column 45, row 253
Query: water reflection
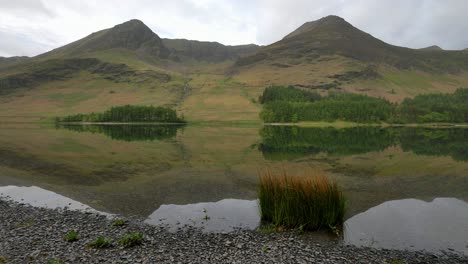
column 39, row 197
column 128, row 132
column 142, row 174
column 290, row 142
column 412, row 224
column 222, row 216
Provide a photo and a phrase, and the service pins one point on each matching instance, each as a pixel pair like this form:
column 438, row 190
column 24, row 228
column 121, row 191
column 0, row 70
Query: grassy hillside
column 207, row 81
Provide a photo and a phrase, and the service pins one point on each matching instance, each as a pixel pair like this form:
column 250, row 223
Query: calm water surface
column 406, row 187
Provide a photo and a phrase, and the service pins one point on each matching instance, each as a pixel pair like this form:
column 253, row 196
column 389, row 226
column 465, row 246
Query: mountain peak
column 433, row 47
column 333, row 19
column 133, row 24
column 134, row 21
column 132, row 35
column 331, row 22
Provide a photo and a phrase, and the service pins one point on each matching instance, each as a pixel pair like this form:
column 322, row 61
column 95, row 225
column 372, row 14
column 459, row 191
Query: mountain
column 208, row 81
column 332, row 35
column 132, row 35
column 433, row 47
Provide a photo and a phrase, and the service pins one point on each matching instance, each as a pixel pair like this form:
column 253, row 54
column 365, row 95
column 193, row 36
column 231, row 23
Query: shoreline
column 344, row 124
column 36, row 235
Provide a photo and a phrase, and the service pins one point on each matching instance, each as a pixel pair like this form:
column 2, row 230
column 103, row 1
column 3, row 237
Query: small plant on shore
column 3, row 260
column 267, row 229
column 71, row 236
column 100, row 242
column 118, row 222
column 307, row 203
column 206, row 217
column 300, row 230
column 397, row 261
column 54, row 261
column 265, row 248
column 131, row 240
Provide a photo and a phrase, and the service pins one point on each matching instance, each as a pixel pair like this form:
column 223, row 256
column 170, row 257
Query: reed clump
column 308, row 203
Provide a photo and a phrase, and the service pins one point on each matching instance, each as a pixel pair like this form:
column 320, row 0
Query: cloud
column 32, row 27
column 415, row 24
column 25, row 7
column 13, row 44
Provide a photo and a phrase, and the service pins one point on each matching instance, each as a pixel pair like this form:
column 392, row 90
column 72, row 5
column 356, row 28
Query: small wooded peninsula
column 128, row 114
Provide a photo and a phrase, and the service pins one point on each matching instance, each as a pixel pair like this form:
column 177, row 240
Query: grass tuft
column 131, row 240
column 100, row 242
column 118, row 222
column 55, row 261
column 308, row 203
column 71, row 236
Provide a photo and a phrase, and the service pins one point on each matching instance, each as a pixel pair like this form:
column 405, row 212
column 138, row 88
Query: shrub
column 54, row 261
column 131, row 240
column 118, row 222
column 308, row 202
column 100, row 242
column 71, row 236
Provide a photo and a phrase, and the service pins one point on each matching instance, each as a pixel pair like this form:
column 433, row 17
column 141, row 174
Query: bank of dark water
column 36, row 235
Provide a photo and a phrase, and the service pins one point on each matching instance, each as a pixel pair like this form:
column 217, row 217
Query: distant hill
column 6, row 61
column 433, row 47
column 206, row 51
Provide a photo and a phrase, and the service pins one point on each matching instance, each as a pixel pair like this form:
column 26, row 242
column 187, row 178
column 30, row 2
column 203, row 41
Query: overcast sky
column 31, row 27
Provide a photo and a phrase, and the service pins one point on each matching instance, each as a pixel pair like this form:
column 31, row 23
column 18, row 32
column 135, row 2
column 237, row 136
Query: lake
column 406, row 188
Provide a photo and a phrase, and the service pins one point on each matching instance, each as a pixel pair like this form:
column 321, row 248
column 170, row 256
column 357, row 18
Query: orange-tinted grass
column 310, row 203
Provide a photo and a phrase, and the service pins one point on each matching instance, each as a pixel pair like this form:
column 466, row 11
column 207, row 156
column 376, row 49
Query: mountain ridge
column 206, row 50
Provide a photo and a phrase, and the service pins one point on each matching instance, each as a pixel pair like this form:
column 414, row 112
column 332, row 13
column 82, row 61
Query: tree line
column 289, row 104
column 448, row 108
column 128, row 113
